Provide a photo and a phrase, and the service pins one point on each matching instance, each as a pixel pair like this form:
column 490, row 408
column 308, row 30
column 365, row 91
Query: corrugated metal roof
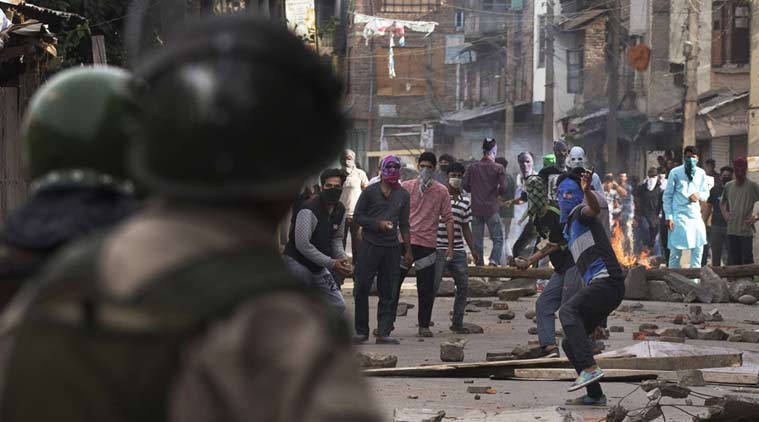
column 719, row 101
column 473, row 113
column 582, row 18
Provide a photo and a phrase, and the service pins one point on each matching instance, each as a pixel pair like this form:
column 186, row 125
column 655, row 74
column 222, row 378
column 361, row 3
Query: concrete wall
column 563, row 101
column 539, row 73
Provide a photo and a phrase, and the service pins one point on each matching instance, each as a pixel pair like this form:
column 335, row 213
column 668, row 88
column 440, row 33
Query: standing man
column 718, row 230
column 737, row 206
column 381, row 211
column 441, row 174
column 577, row 159
column 602, row 274
column 686, row 189
column 506, row 203
column 430, row 205
column 551, row 173
column 457, row 265
column 647, row 209
column 485, row 180
column 355, row 182
column 545, row 219
column 315, row 247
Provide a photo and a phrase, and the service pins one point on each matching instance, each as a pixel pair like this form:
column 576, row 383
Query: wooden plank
column 98, row 50
column 560, row 374
column 10, row 156
column 506, row 368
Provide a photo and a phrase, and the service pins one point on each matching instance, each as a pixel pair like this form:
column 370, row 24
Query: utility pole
column 548, row 104
column 753, row 99
column 507, row 76
column 691, row 52
column 612, row 88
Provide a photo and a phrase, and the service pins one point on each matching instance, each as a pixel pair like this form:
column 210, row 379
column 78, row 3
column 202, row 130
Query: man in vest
column 75, row 161
column 315, row 247
column 185, row 312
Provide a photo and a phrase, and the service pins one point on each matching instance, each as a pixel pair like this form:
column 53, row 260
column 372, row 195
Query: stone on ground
column 506, row 315
column 521, row 352
column 716, row 334
column 500, row 306
column 690, row 331
column 731, row 408
column 480, row 303
column 370, row 360
column 532, row 330
column 514, row 294
column 659, row 290
column 636, row 284
column 529, row 314
column 452, row 350
column 747, row 299
column 617, row 329
column 473, row 328
column 670, row 332
column 478, row 287
column 749, row 336
column 690, row 378
column 715, row 285
column 679, row 283
column 741, row 287
column 648, row 326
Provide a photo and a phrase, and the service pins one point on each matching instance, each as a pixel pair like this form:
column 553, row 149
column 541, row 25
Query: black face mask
column 726, row 179
column 331, row 196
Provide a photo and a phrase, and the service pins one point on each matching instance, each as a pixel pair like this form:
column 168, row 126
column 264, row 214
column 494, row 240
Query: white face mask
column 350, row 163
column 455, row 182
column 576, row 158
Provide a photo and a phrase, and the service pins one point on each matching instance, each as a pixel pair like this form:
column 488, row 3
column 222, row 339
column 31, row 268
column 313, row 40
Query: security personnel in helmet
column 186, row 312
column 74, row 142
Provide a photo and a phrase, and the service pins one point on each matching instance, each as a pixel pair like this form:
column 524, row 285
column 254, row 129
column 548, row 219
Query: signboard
column 301, row 17
column 753, row 163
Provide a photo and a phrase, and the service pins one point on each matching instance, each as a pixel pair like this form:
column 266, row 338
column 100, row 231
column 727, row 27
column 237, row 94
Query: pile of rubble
column 730, row 408
column 709, row 288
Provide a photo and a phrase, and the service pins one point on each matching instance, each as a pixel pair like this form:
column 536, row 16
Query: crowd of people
column 565, row 214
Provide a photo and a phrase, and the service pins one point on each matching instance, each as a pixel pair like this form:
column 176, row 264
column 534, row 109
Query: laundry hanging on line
column 376, row 26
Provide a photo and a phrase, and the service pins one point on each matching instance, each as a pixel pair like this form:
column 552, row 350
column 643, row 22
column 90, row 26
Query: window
column 542, row 41
column 409, row 6
column 575, row 60
column 730, row 33
column 458, row 20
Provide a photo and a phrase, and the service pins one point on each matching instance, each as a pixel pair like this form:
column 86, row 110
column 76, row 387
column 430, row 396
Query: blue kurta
column 690, row 231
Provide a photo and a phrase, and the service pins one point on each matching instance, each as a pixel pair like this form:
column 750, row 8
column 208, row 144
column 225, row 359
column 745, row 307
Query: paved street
column 451, row 395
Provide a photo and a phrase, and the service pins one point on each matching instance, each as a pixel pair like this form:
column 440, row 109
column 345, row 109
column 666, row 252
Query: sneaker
column 551, row 351
column 425, row 332
column 586, row 378
column 360, row 339
column 586, row 400
column 387, row 340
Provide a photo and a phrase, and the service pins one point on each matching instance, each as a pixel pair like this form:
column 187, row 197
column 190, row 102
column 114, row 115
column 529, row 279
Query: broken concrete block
column 667, row 389
column 670, row 332
column 636, row 284
column 452, row 350
column 478, row 287
column 500, row 306
column 731, row 408
column 514, row 294
column 715, row 285
column 679, row 283
column 529, row 314
column 506, row 315
column 617, row 329
column 480, row 303
column 402, row 310
column 741, row 287
column 369, row 360
column 659, row 290
column 690, row 378
column 747, row 300
column 690, row 331
column 716, row 334
column 750, row 336
column 648, row 326
column 532, row 330
column 521, row 352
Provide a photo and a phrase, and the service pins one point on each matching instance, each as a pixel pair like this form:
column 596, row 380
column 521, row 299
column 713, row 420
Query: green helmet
column 239, row 110
column 76, row 127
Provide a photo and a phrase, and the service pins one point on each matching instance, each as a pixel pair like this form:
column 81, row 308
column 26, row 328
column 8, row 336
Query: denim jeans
column 545, row 309
column 458, row 268
column 323, row 281
column 496, row 235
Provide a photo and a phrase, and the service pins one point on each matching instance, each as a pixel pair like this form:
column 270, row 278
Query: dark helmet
column 239, row 109
column 76, row 127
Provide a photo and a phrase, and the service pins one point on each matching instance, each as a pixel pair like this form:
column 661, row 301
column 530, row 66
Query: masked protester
column 381, row 211
column 185, row 311
column 429, row 207
column 443, row 164
column 737, row 205
column 356, row 181
column 648, row 207
column 315, row 248
column 602, row 275
column 485, row 180
column 718, row 229
column 686, row 189
column 551, row 173
column 577, row 159
column 518, row 224
column 544, row 218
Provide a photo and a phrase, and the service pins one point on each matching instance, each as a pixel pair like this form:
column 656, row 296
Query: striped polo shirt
column 461, row 207
column 591, row 248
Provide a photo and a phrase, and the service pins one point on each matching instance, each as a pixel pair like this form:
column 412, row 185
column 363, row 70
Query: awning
column 723, row 115
column 629, row 123
column 580, row 20
column 460, row 116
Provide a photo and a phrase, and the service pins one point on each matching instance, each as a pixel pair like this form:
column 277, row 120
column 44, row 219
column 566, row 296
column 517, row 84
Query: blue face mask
column 566, row 205
column 690, row 167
